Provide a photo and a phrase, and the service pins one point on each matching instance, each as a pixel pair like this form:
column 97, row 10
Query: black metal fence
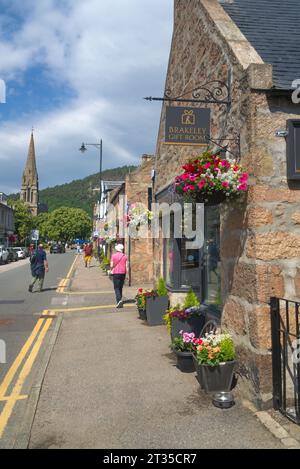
column 286, row 357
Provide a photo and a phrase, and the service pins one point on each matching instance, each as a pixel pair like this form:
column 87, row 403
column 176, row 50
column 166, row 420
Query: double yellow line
column 30, row 349
column 63, row 283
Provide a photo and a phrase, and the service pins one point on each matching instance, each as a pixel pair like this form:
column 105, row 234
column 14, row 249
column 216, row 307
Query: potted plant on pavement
column 183, row 346
column 189, row 317
column 157, row 304
column 214, row 361
column 141, row 303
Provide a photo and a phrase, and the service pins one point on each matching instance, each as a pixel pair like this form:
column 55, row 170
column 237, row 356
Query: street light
column 84, row 149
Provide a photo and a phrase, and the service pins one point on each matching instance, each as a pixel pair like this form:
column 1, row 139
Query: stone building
column 30, row 181
column 250, row 48
column 7, row 224
column 137, row 189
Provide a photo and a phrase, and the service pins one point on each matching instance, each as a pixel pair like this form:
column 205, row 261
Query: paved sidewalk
column 112, row 383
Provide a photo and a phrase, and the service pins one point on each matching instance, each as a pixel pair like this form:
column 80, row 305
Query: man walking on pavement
column 39, row 265
column 88, row 252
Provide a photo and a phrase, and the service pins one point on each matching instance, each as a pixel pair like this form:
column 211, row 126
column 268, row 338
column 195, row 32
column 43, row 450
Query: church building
column 30, row 180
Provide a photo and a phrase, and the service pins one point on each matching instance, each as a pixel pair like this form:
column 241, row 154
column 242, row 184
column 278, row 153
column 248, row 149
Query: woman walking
column 118, row 267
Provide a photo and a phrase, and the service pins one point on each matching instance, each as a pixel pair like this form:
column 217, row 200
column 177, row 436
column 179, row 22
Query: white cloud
column 111, row 54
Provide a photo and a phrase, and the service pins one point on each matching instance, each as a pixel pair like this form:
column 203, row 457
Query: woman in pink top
column 118, row 265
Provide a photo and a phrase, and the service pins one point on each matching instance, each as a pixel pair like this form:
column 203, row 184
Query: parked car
column 12, row 255
column 3, row 255
column 20, row 252
column 57, row 249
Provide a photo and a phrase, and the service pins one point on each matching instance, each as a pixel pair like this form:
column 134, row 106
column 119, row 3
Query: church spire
column 30, row 171
column 30, row 181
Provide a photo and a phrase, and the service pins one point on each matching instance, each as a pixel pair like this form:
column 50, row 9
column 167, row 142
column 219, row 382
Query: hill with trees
column 79, row 193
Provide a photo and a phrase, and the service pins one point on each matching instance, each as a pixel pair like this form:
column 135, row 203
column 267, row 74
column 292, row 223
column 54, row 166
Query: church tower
column 30, row 180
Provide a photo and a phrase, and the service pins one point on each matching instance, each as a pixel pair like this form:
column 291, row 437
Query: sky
column 77, row 71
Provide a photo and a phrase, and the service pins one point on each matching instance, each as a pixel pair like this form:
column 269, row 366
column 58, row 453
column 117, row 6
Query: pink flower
column 243, row 178
column 225, row 164
column 243, row 187
column 201, row 183
column 225, row 184
column 188, row 187
column 184, row 177
column 187, row 338
column 192, row 177
column 207, row 165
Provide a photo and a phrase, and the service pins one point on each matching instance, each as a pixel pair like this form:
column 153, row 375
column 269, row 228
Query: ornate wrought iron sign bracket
column 212, row 92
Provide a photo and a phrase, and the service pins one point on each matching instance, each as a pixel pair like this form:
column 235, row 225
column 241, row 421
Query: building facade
column 256, row 242
column 30, row 181
column 7, row 225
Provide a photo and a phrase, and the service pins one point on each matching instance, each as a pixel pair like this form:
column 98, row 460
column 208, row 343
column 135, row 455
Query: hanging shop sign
column 187, row 125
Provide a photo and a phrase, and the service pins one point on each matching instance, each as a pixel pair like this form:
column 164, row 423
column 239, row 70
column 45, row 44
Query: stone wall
column 140, row 250
column 260, row 237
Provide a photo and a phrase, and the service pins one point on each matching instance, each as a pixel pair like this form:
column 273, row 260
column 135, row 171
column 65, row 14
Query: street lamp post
column 99, row 146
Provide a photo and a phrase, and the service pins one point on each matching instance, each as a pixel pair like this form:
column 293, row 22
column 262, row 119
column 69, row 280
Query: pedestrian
column 78, row 248
column 119, row 267
column 88, row 252
column 39, row 265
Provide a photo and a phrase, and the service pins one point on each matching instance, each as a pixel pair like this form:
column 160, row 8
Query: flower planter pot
column 198, row 370
column 215, row 378
column 193, row 324
column 215, row 198
column 156, row 307
column 142, row 314
column 185, row 361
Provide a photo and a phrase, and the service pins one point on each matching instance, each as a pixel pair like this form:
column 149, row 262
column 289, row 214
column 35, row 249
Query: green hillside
column 79, row 193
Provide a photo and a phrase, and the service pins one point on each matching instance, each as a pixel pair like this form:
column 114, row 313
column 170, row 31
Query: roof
column 273, row 29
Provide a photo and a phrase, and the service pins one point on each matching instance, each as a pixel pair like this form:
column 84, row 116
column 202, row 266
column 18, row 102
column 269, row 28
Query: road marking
column 16, row 392
column 19, row 398
column 14, row 368
column 82, row 292
column 87, row 308
column 63, row 282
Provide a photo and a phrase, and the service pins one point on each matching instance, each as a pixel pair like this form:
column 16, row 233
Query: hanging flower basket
column 211, row 180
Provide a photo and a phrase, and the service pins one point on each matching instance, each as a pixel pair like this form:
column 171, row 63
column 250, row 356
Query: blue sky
column 77, row 71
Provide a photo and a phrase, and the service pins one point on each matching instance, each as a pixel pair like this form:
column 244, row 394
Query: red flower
column 189, row 167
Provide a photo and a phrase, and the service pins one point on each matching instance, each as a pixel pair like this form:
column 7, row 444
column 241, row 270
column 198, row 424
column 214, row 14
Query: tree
column 40, row 223
column 23, row 218
column 65, row 223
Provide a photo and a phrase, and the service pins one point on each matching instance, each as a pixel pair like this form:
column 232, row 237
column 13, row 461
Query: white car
column 3, row 255
column 21, row 253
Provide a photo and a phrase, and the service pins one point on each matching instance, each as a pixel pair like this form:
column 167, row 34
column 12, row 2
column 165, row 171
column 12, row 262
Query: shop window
column 197, row 268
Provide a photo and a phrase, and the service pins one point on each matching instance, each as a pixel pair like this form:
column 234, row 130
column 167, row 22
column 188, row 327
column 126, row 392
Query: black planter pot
column 142, row 314
column 215, row 198
column 156, row 307
column 215, row 378
column 185, row 361
column 193, row 324
column 198, row 370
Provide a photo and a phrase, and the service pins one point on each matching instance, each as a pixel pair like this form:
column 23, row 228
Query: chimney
column 146, row 158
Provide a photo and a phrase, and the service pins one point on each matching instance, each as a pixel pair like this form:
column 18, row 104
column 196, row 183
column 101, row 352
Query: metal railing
column 286, row 357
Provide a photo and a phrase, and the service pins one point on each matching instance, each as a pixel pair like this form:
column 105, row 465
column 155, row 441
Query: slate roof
column 273, row 29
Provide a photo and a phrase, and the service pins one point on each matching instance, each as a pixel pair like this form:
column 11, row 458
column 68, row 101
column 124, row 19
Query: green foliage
column 41, row 223
column 227, row 348
column 161, row 288
column 64, row 224
column 181, row 346
column 168, row 318
column 190, row 300
column 23, row 218
column 105, row 263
